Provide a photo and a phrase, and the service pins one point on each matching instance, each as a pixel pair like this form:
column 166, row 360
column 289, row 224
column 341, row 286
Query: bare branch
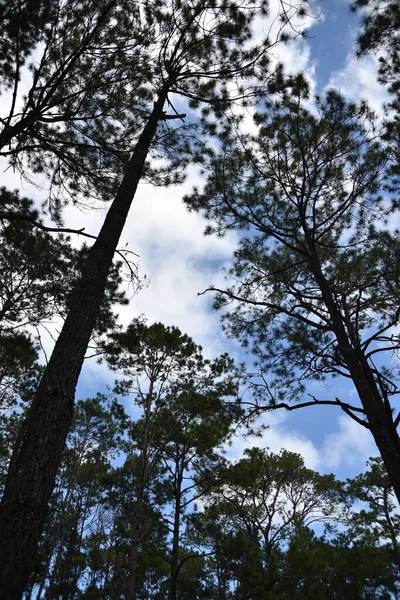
column 347, row 408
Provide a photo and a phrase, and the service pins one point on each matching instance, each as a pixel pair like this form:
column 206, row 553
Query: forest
column 135, row 462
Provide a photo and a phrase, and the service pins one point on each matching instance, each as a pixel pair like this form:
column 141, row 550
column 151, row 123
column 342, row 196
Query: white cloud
column 351, row 445
column 345, row 451
column 296, row 54
column 293, row 441
column 358, row 81
column 179, row 260
column 276, row 438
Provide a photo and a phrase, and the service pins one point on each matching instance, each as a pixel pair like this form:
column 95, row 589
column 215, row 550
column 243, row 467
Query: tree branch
column 276, row 307
column 10, row 216
column 347, row 408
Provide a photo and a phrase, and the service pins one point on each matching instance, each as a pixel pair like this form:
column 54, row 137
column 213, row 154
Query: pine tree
column 186, row 410
column 256, row 506
column 317, row 290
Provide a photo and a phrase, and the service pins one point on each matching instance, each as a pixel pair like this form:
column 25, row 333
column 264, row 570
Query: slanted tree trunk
column 378, row 412
column 38, row 450
column 379, row 415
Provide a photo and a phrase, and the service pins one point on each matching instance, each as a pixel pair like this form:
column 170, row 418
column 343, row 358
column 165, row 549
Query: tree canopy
column 316, row 288
column 140, row 491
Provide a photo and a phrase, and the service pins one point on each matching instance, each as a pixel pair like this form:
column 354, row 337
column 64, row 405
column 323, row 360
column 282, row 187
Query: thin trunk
column 221, row 583
column 91, row 589
column 46, row 571
column 76, row 571
column 63, row 581
column 37, row 453
column 57, row 548
column 131, row 583
column 117, row 576
column 40, row 590
column 62, row 568
column 52, row 576
column 379, row 415
column 176, row 531
column 106, row 585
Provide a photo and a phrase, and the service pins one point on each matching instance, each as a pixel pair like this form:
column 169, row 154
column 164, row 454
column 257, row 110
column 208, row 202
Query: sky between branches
column 180, row 262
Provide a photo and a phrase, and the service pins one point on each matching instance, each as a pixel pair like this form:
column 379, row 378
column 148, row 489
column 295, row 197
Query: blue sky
column 181, row 262
column 331, row 38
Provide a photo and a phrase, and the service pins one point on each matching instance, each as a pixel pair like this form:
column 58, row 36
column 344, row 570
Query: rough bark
column 37, row 454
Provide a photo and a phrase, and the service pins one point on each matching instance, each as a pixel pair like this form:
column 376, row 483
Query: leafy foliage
column 380, row 37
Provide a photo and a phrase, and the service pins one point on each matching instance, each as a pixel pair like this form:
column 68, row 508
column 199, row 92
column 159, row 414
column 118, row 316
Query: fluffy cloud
column 278, row 436
column 179, row 261
column 350, row 446
column 358, row 81
column 344, row 451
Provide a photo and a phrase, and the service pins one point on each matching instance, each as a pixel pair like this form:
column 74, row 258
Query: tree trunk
column 78, row 548
column 37, row 453
column 176, row 531
column 131, row 584
column 138, row 512
column 378, row 413
column 221, row 584
column 107, row 569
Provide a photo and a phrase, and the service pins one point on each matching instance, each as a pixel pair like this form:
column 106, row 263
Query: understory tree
column 76, row 511
column 315, row 284
column 264, row 524
column 186, row 406
column 377, row 520
column 258, row 535
column 203, row 53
